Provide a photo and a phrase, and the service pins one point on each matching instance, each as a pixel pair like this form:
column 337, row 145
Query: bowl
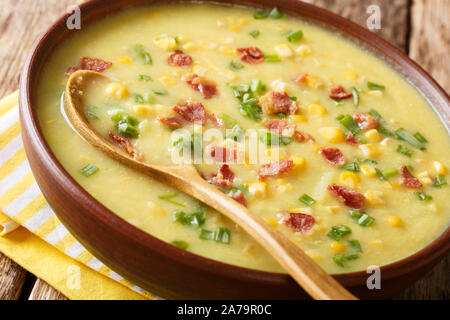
column 164, row 269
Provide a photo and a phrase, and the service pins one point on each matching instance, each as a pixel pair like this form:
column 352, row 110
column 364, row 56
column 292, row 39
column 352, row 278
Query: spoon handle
column 305, row 271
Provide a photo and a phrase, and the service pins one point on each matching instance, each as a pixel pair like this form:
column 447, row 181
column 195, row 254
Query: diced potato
column 271, row 222
column 258, row 189
column 124, row 59
column 299, row 163
column 374, row 197
column 303, row 50
column 165, row 43
column 351, row 75
column 440, row 168
column 298, row 118
column 278, row 85
column 142, row 110
column 284, row 50
column 332, row 134
column 425, row 178
column 350, row 179
column 154, row 208
column 169, row 81
column 373, row 135
column 116, row 90
column 337, row 247
column 317, row 110
column 368, row 171
column 394, row 221
column 371, row 150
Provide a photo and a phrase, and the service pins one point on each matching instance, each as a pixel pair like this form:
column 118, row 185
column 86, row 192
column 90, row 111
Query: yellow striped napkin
column 22, row 204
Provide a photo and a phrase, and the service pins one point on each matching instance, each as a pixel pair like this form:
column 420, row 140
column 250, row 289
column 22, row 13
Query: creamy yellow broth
column 209, row 34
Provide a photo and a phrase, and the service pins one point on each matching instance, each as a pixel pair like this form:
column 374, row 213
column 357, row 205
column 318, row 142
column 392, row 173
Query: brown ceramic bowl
column 160, row 267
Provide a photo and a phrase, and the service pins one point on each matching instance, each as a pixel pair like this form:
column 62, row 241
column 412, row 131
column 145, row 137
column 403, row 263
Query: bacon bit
column 301, row 136
column 205, row 86
column 126, row 145
column 221, row 154
column 300, row 221
column 223, row 178
column 179, row 59
column 277, row 102
column 91, row 64
column 301, row 78
column 239, row 197
column 365, row 121
column 350, row 197
column 275, row 168
column 171, row 122
column 334, row 156
column 217, row 121
column 191, row 111
column 251, row 55
column 339, row 93
column 351, row 140
column 409, row 180
column 281, row 127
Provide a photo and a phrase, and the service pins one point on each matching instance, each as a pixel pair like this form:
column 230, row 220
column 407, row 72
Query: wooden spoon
column 186, row 179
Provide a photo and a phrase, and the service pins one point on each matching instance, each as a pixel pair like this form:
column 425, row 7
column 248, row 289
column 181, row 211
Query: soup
column 323, row 140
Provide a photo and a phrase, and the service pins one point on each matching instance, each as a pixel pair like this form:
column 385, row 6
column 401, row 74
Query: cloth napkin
column 33, row 236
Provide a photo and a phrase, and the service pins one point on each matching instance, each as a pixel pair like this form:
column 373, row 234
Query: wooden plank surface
column 21, row 21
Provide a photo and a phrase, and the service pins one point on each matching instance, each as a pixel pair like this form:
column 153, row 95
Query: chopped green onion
column 294, row 35
column 140, row 50
column 339, row 259
column 236, row 133
column 370, row 161
column 161, row 92
column 168, row 198
column 410, row 167
column 351, row 167
column 338, row 103
column 338, row 232
column 254, row 33
column 423, row 196
column 251, row 111
column 207, row 234
column 404, row 135
column 260, row 14
column 91, row 112
column 139, row 98
column 144, row 77
column 348, row 122
column 272, row 58
column 420, row 137
column 351, row 256
column 257, row 86
column 293, row 98
column 180, row 244
column 439, row 181
column 306, row 199
column 362, row 218
column 340, row 116
column 374, row 86
column 404, row 150
column 222, row 235
column 234, row 65
column 228, row 119
column 195, row 219
column 355, row 245
column 269, row 138
column 280, row 115
column 286, row 140
column 389, row 173
column 380, row 174
column 88, row 170
column 127, row 129
column 355, row 94
column 381, row 129
column 276, row 14
column 378, row 116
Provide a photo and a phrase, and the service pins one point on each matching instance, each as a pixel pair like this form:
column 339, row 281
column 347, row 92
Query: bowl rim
column 350, row 29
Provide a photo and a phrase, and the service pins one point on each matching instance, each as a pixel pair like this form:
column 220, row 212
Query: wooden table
column 419, row 27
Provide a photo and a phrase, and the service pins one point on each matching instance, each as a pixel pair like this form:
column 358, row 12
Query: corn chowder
column 352, row 161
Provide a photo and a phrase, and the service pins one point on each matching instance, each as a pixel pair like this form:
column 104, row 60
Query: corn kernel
column 368, row 171
column 305, row 210
column 189, row 46
column 154, row 208
column 373, row 135
column 271, row 222
column 317, row 149
column 124, row 59
column 303, row 50
column 299, row 163
column 165, row 43
column 424, row 177
column 374, row 197
column 351, row 75
column 375, row 93
column 332, row 209
column 243, row 21
column 350, row 179
column 337, row 247
column 370, row 150
column 285, row 188
column 116, row 90
column 227, row 50
column 317, row 109
column 396, row 185
column 258, row 189
column 332, row 134
column 440, row 168
column 168, row 81
column 386, row 142
column 313, row 81
column 283, row 50
column 235, row 28
column 394, row 221
column 142, row 110
column 281, row 181
column 298, row 118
